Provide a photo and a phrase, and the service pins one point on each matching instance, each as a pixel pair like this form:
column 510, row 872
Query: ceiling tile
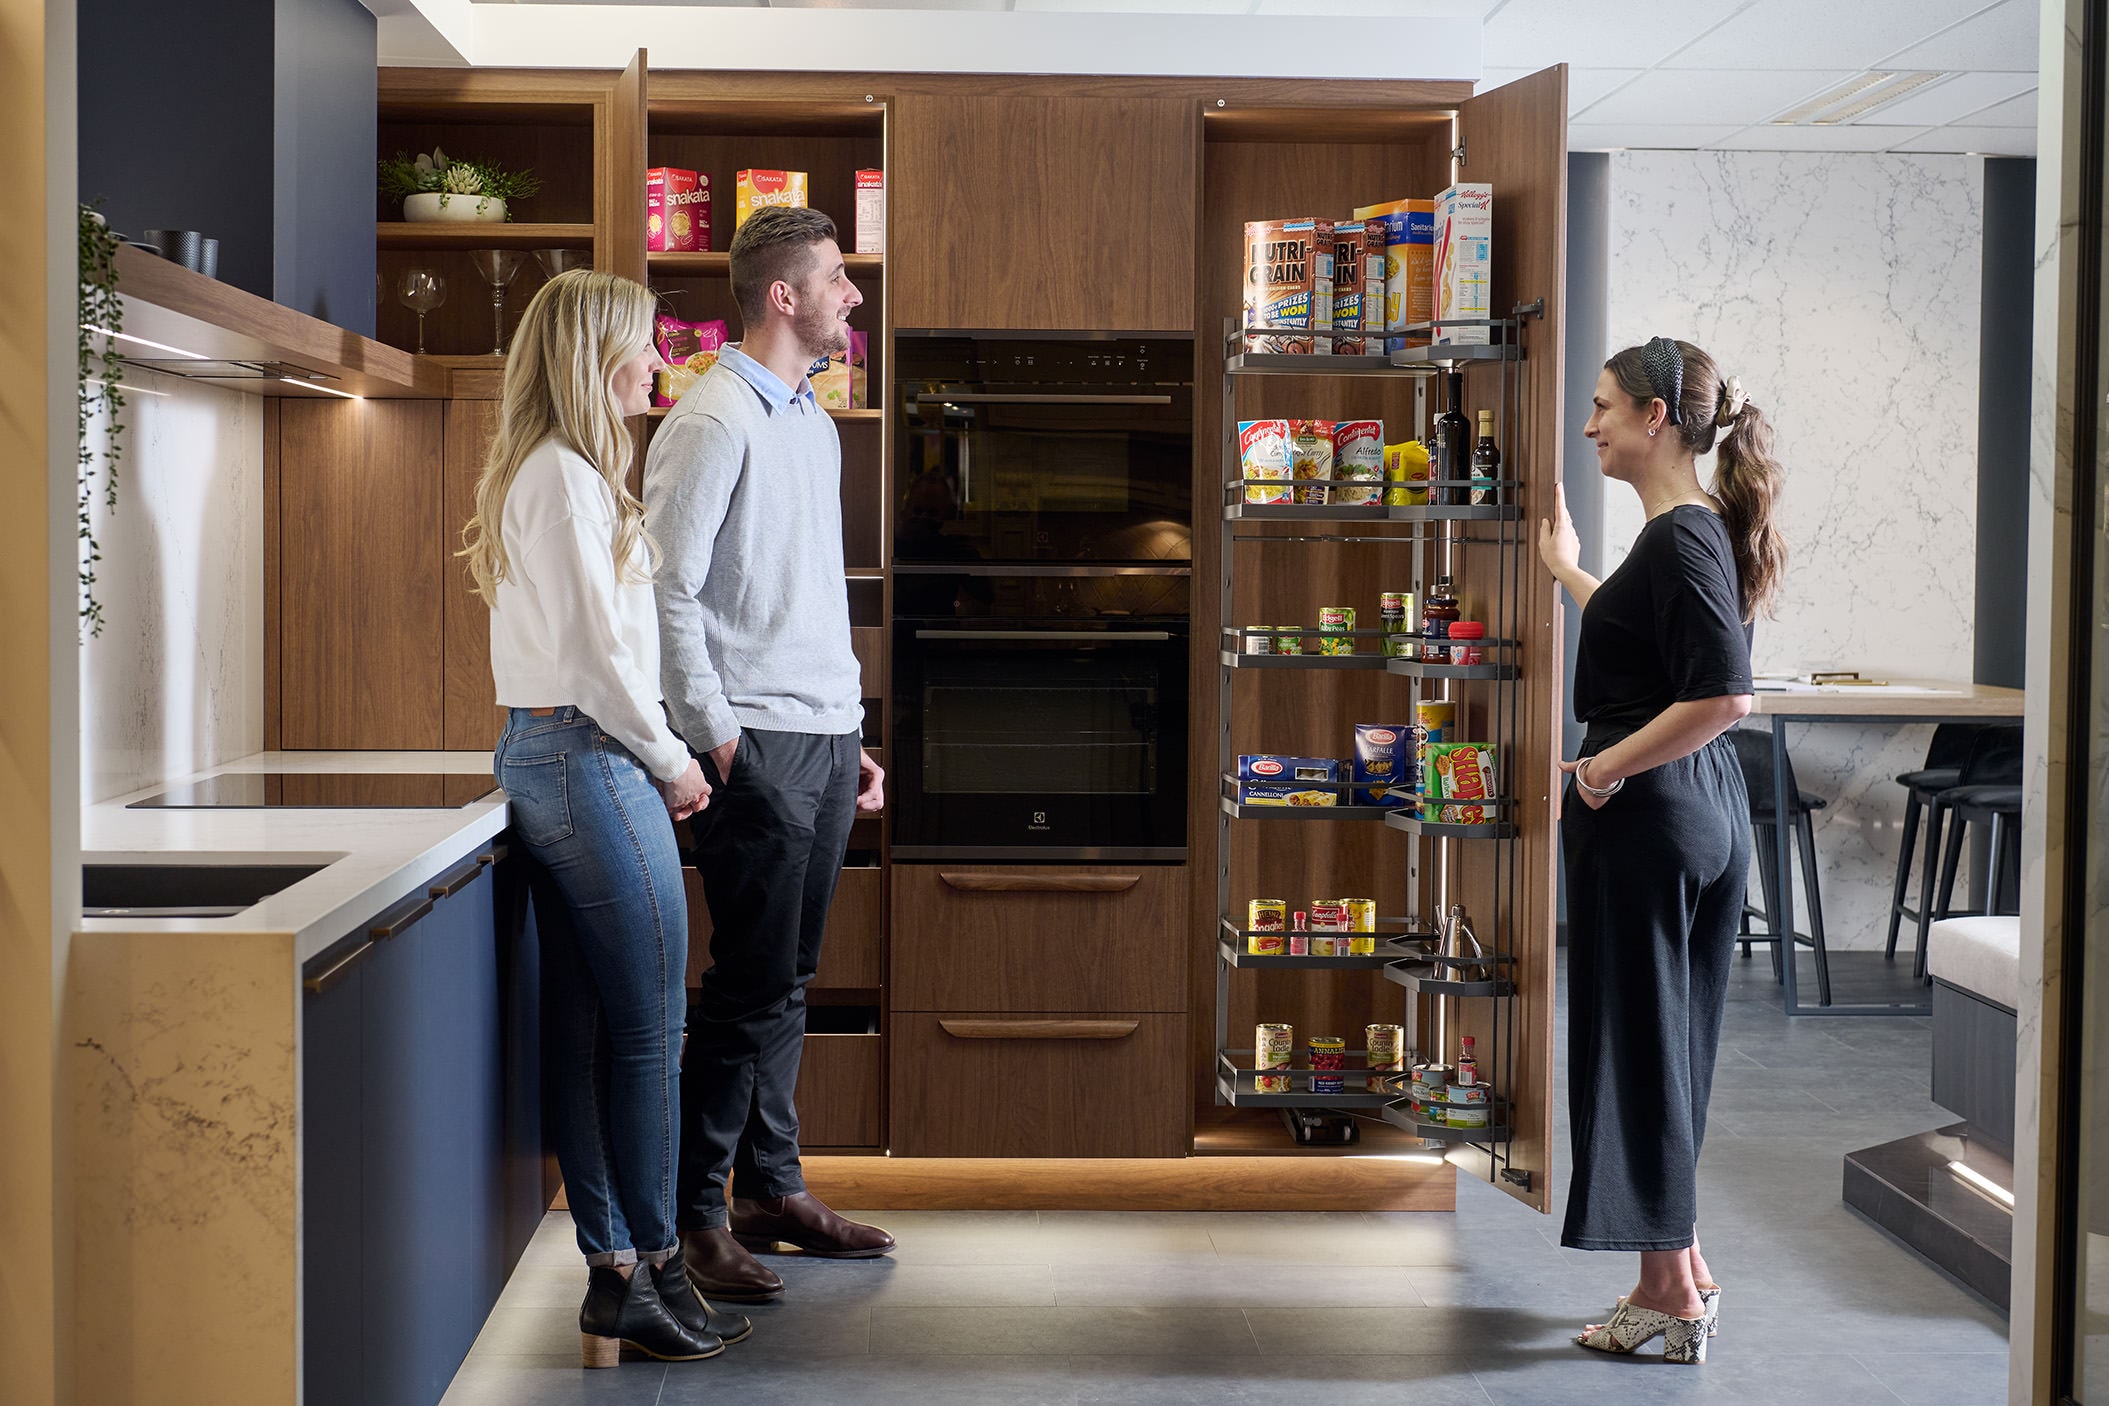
column 1985, row 141
column 1845, row 138
column 1712, row 96
column 2002, row 39
column 1788, row 33
column 1632, row 34
column 1951, row 99
column 1610, row 136
column 1584, row 85
column 2014, row 112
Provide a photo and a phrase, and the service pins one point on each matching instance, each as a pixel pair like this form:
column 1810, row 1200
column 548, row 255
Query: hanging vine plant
column 101, row 309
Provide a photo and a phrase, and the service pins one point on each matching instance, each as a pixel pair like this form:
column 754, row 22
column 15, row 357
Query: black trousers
column 1655, row 888
column 769, row 849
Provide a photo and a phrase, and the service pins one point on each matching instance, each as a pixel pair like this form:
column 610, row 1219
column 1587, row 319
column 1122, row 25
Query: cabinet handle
column 390, row 924
column 323, row 980
column 1039, row 1029
column 1040, row 883
column 447, row 885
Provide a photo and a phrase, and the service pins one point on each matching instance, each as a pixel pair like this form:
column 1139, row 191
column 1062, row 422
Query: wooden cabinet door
column 1515, row 137
column 473, row 718
column 361, row 565
column 1043, row 213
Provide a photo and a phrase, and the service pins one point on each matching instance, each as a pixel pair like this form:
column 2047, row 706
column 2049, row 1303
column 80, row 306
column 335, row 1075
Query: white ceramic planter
column 437, row 207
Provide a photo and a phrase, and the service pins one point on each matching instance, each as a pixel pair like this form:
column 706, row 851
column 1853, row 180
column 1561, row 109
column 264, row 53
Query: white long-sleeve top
column 567, row 629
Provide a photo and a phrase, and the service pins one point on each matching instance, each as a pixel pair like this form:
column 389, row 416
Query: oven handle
column 1037, row 570
column 994, row 398
column 1038, row 883
column 1095, row 636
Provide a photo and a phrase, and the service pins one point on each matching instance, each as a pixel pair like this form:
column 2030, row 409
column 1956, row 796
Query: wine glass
column 556, row 261
column 497, row 267
column 421, row 291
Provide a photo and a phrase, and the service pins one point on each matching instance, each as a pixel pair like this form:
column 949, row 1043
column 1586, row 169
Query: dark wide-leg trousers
column 769, row 851
column 1655, row 890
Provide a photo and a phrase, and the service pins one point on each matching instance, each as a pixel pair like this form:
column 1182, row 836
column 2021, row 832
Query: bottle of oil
column 1451, row 467
column 1486, row 464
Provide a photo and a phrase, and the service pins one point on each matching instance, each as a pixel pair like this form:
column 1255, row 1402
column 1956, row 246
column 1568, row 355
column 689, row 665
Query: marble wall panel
column 174, row 683
column 1844, row 291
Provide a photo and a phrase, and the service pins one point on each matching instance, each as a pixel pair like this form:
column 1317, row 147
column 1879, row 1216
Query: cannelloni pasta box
column 1464, row 242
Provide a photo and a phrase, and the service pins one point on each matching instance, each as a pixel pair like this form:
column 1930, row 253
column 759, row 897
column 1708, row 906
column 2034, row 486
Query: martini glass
column 556, row 261
column 497, row 268
column 421, row 291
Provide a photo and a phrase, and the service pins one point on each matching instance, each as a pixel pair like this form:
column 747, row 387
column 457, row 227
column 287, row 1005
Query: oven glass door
column 1055, row 742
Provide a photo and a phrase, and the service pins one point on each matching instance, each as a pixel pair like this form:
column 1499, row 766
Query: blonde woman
column 595, row 778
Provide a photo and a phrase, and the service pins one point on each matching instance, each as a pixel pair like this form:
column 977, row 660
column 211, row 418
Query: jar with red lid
column 1464, row 642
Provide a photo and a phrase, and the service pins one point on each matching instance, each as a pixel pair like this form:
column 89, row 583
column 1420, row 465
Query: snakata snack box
column 676, row 210
column 1464, row 242
column 757, row 190
column 871, row 212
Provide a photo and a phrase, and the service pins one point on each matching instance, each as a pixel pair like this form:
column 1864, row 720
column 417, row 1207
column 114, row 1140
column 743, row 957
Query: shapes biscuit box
column 1288, row 284
column 755, row 190
column 1464, row 242
column 839, row 380
column 676, row 210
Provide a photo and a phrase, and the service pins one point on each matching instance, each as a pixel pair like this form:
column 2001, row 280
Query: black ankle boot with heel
column 620, row 1313
column 686, row 1302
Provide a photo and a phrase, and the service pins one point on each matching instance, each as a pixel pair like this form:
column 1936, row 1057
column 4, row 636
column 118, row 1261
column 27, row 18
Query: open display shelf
column 1487, row 547
column 444, row 234
column 717, row 263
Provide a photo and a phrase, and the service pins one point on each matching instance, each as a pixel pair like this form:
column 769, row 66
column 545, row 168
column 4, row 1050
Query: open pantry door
column 1514, row 138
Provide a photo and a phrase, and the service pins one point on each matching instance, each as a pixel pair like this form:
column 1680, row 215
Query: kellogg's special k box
column 1464, row 242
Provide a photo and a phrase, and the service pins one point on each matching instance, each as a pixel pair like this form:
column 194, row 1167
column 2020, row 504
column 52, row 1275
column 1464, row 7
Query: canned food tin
column 1264, row 944
column 1393, row 608
column 1467, row 1093
column 1273, row 1046
column 1328, row 1056
column 1437, row 715
column 1330, row 915
column 1430, row 1083
column 1259, row 639
column 1336, row 645
column 1267, row 915
column 1473, row 1117
column 1398, row 646
column 1328, row 944
column 1335, row 618
column 1362, row 914
column 1386, row 1050
column 1289, row 640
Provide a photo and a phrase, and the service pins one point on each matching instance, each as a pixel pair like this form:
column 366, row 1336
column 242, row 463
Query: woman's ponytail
column 1747, row 482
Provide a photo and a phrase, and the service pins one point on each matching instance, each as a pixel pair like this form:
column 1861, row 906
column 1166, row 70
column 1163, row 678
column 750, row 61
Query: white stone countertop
column 372, row 858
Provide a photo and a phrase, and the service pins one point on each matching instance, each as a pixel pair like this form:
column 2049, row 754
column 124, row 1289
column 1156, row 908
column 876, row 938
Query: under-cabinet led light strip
column 1978, row 1181
column 157, row 346
column 310, row 385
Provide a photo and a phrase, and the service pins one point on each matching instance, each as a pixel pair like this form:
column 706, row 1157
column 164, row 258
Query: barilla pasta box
column 1382, row 754
column 757, row 190
column 871, row 212
column 1464, row 244
column 1288, row 284
column 676, row 210
column 1267, row 780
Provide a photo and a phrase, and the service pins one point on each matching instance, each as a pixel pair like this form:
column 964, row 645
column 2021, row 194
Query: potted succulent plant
column 442, row 187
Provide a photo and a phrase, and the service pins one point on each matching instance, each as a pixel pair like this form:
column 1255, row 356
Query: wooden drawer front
column 852, row 954
column 1072, row 1084
column 838, row 1091
column 1029, row 938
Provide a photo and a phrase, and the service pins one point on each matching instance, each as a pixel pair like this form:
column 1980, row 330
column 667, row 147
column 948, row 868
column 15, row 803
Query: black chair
column 1943, row 769
column 1989, row 795
column 1754, row 753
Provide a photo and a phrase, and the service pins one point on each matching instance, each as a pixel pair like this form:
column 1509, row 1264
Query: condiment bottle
column 1486, row 464
column 1451, row 468
column 1464, row 642
column 1302, row 922
column 1467, row 1063
column 1437, row 611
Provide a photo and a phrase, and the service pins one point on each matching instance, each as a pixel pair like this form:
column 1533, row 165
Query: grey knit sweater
column 744, row 501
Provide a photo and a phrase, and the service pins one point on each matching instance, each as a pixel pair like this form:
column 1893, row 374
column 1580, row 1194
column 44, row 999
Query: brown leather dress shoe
column 805, row 1222
column 720, row 1269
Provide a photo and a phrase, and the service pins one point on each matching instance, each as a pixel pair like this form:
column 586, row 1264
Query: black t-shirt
column 1666, row 627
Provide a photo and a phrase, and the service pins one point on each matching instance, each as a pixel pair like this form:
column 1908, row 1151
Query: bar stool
column 1943, row 769
column 1754, row 753
column 1989, row 795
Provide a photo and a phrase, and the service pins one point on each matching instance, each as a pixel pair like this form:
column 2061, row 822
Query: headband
column 1664, row 364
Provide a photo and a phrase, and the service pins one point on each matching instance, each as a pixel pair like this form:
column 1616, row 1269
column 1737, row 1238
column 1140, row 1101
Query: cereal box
column 839, row 381
column 1409, row 250
column 1288, row 284
column 871, row 212
column 688, row 349
column 1358, row 459
column 1349, row 243
column 1381, row 754
column 676, row 210
column 1464, row 241
column 755, row 190
column 1454, row 773
column 1263, row 453
column 1311, row 458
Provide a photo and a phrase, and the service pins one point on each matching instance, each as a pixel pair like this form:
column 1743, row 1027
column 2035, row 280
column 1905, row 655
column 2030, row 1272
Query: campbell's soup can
column 1330, row 915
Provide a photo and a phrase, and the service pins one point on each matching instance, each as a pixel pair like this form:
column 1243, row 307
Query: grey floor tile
column 881, row 1281
column 875, row 1381
column 1942, row 1379
column 1233, row 1286
column 1332, row 1380
column 791, row 1330
column 555, row 1381
column 1396, row 1331
column 1760, row 1377
column 1059, row 1331
column 550, row 1331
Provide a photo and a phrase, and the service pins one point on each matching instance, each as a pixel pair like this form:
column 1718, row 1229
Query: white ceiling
column 1685, row 73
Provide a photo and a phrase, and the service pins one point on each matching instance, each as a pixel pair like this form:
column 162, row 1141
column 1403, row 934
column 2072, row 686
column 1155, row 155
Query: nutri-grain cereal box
column 756, row 190
column 676, row 210
column 1288, row 285
column 1349, row 242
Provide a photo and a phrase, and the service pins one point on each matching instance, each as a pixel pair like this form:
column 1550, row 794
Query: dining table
column 1894, row 702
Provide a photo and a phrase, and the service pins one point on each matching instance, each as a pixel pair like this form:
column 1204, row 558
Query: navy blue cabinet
column 415, row 1078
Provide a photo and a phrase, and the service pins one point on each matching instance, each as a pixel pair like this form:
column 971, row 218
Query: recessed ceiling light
column 1856, row 97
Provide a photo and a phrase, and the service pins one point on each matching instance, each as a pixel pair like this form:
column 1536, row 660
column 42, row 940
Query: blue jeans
column 614, row 930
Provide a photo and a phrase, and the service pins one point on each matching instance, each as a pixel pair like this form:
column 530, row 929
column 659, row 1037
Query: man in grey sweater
column 742, row 495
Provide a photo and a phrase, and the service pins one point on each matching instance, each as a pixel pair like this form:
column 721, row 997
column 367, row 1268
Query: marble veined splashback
column 174, row 683
column 1844, row 290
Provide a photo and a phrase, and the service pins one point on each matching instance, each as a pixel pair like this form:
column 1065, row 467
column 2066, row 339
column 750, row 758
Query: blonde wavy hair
column 560, row 383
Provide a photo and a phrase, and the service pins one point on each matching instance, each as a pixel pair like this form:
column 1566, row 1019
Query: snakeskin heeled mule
column 1710, row 1296
column 1631, row 1328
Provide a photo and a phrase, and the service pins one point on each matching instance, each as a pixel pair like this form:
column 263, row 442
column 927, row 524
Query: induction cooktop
column 322, row 790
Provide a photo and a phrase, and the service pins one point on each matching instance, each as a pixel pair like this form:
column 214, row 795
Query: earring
column 1651, row 434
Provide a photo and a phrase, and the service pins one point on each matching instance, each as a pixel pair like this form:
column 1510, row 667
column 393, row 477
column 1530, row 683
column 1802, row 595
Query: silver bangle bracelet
column 1601, row 793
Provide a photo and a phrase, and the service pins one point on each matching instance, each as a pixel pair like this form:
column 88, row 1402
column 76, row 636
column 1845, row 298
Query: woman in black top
column 1655, row 826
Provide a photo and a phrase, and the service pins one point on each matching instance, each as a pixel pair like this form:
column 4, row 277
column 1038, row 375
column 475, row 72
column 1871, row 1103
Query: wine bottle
column 1453, row 448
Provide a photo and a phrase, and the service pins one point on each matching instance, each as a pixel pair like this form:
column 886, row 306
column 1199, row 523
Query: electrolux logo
column 1039, row 821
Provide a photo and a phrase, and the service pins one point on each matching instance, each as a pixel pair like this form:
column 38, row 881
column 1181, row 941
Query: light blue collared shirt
column 767, row 384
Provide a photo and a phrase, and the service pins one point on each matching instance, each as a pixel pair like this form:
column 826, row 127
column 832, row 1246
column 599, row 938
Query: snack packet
column 688, row 349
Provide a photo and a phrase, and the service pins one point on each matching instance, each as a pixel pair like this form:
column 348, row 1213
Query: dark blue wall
column 2004, row 350
column 249, row 120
